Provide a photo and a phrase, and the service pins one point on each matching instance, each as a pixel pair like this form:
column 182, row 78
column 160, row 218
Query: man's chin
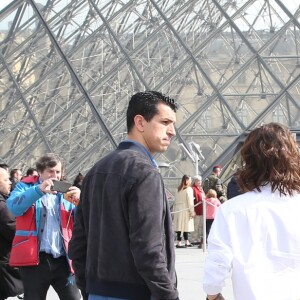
column 164, row 148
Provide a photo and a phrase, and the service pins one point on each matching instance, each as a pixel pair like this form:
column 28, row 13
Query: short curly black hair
column 145, row 104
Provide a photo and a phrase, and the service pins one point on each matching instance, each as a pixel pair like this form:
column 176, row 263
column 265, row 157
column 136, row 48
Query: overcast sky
column 3, row 3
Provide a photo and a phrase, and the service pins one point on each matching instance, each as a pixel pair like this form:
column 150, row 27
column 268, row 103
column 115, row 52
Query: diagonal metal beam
column 226, row 155
column 255, row 52
column 196, row 63
column 235, row 76
column 75, row 77
column 26, row 105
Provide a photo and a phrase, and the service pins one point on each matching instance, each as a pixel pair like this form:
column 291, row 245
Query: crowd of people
column 188, row 207
column 111, row 235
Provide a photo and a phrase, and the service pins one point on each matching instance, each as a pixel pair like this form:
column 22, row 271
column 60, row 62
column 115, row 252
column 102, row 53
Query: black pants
column 185, row 236
column 85, row 296
column 10, row 281
column 50, row 271
column 208, row 226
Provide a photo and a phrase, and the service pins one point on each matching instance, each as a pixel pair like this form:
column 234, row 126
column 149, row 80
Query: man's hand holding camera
column 73, row 195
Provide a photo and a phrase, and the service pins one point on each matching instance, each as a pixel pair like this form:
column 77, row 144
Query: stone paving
column 189, row 267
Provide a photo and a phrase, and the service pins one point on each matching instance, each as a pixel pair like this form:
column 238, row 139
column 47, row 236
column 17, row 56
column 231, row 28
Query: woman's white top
column 255, row 238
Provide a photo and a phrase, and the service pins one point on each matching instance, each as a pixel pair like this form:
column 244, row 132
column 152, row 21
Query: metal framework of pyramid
column 69, row 67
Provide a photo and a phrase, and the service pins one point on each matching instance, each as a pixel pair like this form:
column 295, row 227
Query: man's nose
column 171, row 130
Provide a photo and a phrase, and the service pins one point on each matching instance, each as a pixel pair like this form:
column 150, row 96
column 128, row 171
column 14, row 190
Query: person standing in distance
column 32, row 172
column 15, row 177
column 199, row 197
column 255, row 236
column 123, row 245
column 184, row 213
column 213, row 181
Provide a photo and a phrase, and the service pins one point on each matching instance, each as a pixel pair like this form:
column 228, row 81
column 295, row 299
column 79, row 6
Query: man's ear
column 139, row 123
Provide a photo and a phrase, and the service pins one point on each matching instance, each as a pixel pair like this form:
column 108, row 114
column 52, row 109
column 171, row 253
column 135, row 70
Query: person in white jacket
column 183, row 210
column 255, row 236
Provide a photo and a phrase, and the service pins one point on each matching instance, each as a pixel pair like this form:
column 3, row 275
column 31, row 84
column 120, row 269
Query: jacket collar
column 136, row 146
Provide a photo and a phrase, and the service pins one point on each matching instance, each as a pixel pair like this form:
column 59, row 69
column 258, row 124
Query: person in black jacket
column 78, row 180
column 232, row 188
column 123, row 244
column 10, row 279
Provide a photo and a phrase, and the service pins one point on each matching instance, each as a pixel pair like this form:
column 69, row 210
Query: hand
column 192, row 215
column 45, row 186
column 222, row 199
column 215, row 297
column 73, row 195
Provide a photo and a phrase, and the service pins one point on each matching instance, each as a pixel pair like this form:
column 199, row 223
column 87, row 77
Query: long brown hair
column 270, row 155
column 183, row 185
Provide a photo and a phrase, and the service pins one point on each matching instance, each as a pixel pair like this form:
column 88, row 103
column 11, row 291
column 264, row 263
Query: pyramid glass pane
column 69, row 67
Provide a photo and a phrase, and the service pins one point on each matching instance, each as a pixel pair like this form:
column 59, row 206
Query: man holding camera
column 44, row 223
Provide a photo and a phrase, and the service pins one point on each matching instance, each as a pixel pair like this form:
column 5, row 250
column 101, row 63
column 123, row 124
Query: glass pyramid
column 68, row 69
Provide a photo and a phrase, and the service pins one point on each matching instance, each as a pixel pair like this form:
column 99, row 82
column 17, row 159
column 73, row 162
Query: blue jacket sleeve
column 22, row 197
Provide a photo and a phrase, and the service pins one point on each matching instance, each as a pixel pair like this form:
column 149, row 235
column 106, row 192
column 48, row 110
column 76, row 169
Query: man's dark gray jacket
column 123, row 244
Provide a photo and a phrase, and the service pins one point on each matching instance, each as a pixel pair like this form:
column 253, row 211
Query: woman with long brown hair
column 255, row 236
column 184, row 211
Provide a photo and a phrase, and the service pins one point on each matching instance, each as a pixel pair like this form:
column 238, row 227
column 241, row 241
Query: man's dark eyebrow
column 167, row 119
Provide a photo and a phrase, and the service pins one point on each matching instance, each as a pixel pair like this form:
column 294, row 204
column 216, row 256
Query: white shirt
column 51, row 240
column 255, row 238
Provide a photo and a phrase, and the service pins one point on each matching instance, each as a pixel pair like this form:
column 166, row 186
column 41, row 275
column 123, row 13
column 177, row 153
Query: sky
column 289, row 3
column 3, row 3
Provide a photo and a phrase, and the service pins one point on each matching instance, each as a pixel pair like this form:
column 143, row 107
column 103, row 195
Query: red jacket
column 25, row 203
column 199, row 195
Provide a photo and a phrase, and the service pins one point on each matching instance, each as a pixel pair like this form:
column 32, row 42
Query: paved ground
column 189, row 266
